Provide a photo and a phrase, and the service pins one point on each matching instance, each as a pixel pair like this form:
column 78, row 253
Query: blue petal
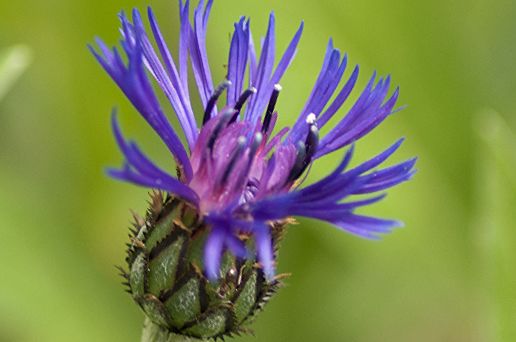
column 237, row 63
column 322, row 200
column 213, row 249
column 280, row 70
column 263, row 72
column 140, row 170
column 175, row 86
column 264, row 249
column 133, row 81
column 198, row 52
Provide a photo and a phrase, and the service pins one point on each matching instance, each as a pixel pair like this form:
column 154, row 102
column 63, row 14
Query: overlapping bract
column 239, row 175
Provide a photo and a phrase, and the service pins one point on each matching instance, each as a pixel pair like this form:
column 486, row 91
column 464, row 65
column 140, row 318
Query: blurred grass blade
column 496, row 205
column 13, row 63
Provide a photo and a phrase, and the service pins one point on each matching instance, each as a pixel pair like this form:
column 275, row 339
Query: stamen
column 226, row 115
column 299, row 164
column 243, row 98
column 311, row 119
column 306, row 151
column 213, row 100
column 270, row 108
column 241, row 144
column 257, row 141
column 312, row 139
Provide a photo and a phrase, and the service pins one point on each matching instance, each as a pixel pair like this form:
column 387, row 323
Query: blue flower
column 241, row 172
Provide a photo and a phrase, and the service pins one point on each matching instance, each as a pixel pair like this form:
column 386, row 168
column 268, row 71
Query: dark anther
column 213, row 100
column 270, row 108
column 312, row 139
column 242, row 142
column 226, row 115
column 299, row 165
column 241, row 101
column 306, row 151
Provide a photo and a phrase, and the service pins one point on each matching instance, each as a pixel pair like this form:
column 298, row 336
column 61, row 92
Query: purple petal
column 329, row 77
column 179, row 82
column 198, row 52
column 264, row 249
column 213, row 249
column 171, row 86
column 147, row 174
column 284, row 63
column 168, row 184
column 253, row 63
column 367, row 113
column 264, row 69
column 340, row 99
column 183, row 43
column 365, row 226
column 322, row 200
column 389, row 177
column 237, row 63
column 133, row 81
column 237, row 247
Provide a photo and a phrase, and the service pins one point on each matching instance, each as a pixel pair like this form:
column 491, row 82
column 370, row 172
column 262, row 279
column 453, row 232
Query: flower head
column 241, row 172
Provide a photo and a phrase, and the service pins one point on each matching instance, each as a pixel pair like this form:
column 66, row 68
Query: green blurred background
column 449, row 275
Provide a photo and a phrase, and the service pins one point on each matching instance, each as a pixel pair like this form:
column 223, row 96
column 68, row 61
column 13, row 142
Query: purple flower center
column 235, row 162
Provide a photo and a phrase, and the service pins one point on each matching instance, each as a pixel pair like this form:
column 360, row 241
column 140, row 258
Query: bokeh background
column 449, row 275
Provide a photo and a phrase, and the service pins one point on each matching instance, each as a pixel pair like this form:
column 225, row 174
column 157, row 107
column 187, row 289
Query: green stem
column 154, row 333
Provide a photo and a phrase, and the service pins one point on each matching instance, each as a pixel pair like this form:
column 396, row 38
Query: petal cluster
column 238, row 169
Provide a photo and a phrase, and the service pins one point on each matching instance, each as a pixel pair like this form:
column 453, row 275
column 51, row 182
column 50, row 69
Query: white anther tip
column 278, row 87
column 241, row 140
column 258, row 137
column 311, row 118
column 253, row 90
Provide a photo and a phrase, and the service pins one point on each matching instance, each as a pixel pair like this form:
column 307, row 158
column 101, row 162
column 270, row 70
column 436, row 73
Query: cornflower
column 203, row 260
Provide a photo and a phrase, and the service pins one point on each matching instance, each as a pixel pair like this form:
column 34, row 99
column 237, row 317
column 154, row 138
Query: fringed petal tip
column 371, row 228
